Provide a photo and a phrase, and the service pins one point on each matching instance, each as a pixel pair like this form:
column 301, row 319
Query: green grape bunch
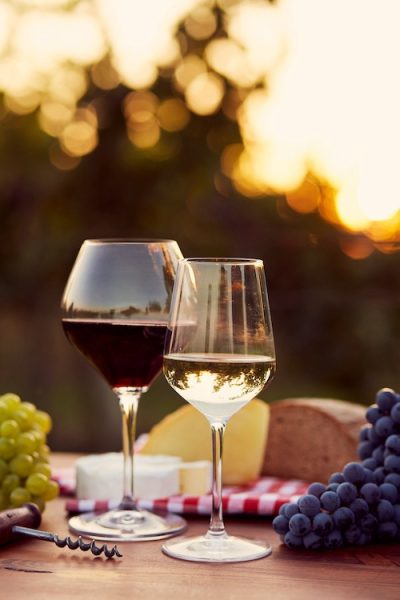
column 25, row 473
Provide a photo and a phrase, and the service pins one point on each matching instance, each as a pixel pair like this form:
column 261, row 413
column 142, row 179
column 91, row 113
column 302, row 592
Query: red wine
column 127, row 354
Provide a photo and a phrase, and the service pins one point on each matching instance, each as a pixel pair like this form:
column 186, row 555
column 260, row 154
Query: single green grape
column 26, row 443
column 37, row 484
column 3, row 410
column 38, row 434
column 42, row 467
column 44, row 452
column 29, row 408
column 8, row 447
column 10, row 482
column 43, row 420
column 9, row 428
column 23, row 418
column 12, row 401
column 21, row 465
column 19, row 496
column 3, row 469
column 51, row 492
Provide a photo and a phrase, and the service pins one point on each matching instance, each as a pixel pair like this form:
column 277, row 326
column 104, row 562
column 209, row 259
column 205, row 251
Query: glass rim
column 128, row 241
column 223, row 260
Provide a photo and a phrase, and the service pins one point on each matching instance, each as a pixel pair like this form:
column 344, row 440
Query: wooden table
column 36, row 570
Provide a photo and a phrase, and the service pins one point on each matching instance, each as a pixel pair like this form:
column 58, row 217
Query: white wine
column 218, row 385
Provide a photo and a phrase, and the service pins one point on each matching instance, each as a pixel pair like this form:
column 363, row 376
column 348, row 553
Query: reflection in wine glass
column 115, row 310
column 219, row 354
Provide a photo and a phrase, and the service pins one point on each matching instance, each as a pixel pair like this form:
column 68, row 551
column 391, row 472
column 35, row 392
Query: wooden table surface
column 36, row 570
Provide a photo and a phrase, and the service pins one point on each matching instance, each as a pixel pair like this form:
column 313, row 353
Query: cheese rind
column 186, row 433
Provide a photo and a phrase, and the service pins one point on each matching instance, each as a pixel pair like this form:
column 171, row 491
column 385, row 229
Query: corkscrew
column 67, row 541
column 13, row 523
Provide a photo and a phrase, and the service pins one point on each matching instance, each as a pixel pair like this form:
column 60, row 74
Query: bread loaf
column 311, row 438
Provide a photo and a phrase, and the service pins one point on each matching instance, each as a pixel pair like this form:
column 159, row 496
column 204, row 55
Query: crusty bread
column 311, row 438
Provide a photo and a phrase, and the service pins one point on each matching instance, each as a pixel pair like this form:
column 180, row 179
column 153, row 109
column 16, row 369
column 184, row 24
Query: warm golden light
column 257, row 28
column 45, row 40
column 357, row 247
column 7, row 21
column 227, row 58
column 104, row 75
column 204, row 93
column 201, row 23
column 53, row 117
column 78, row 138
column 330, row 106
column 141, row 35
column 173, row 115
column 145, row 135
column 23, row 104
column 62, row 161
column 306, row 198
column 142, row 125
column 229, row 158
column 67, row 85
column 137, row 102
column 313, row 85
column 188, row 69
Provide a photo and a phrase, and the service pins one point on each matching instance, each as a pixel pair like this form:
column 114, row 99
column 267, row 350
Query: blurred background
column 239, row 128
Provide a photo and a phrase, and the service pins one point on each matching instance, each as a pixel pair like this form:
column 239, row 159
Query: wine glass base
column 218, row 550
column 121, row 526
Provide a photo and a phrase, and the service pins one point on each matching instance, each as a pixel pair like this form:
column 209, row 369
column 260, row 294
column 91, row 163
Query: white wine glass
column 219, row 354
column 115, row 311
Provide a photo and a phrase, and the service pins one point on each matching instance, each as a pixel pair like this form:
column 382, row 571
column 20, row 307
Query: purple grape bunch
column 361, row 504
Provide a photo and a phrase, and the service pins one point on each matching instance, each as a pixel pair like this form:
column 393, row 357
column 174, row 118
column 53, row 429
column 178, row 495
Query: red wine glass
column 115, row 311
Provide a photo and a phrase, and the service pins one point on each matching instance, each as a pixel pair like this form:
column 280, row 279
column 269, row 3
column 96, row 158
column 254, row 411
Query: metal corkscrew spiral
column 68, row 541
column 22, row 521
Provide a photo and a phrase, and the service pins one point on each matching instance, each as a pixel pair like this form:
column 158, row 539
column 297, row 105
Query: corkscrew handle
column 27, row 515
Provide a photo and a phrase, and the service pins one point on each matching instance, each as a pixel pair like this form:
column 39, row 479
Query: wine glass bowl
column 115, row 310
column 219, row 354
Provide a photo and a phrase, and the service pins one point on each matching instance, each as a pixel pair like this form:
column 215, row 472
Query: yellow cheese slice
column 186, row 433
column 195, row 478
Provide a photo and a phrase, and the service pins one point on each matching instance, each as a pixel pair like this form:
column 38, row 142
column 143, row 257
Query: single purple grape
column 280, row 525
column 316, row 489
column 309, row 505
column 385, row 400
column 389, row 492
column 299, row 524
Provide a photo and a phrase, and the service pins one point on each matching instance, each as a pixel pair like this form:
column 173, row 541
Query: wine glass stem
column 128, row 402
column 216, row 528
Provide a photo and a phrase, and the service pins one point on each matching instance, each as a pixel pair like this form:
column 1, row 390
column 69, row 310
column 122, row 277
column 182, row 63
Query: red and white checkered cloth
column 264, row 497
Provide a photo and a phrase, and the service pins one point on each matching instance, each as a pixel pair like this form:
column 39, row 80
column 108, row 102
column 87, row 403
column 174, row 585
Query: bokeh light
column 315, row 101
column 141, row 36
column 188, row 69
column 204, row 93
column 201, row 23
column 173, row 114
column 79, row 137
column 329, row 109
